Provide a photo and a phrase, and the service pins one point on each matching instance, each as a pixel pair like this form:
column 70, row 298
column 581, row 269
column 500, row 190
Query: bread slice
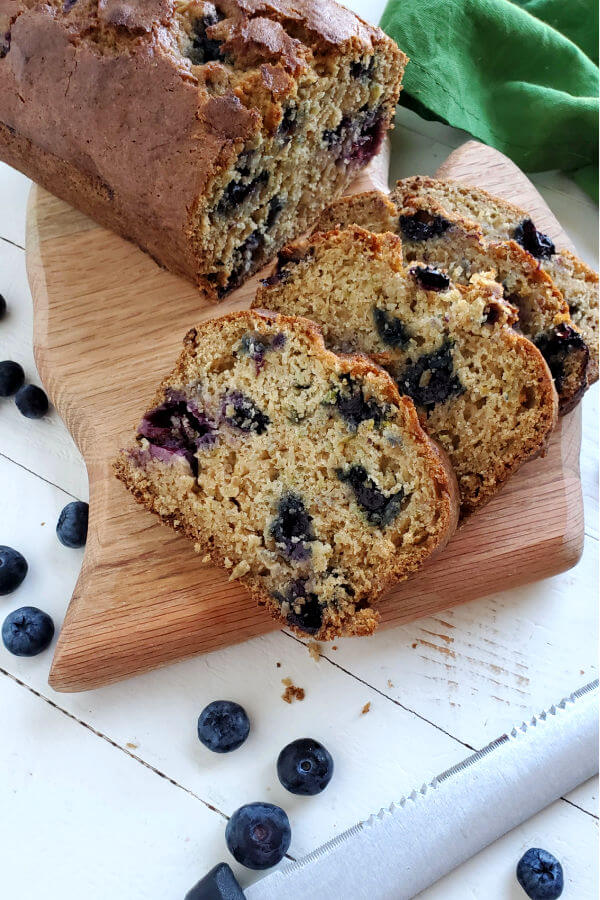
column 432, row 234
column 304, row 474
column 500, row 220
column 483, row 391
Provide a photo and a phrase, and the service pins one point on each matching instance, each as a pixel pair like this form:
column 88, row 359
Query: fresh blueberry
column 13, row 569
column 305, row 767
column 258, row 835
column 218, row 884
column 2, row 307
column 72, row 525
column 12, row 377
column 540, row 875
column 31, row 401
column 223, row 726
column 535, row 242
column 27, row 631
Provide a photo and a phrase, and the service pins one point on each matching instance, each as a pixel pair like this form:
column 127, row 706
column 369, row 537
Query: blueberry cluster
column 258, row 834
column 28, row 631
column 31, row 400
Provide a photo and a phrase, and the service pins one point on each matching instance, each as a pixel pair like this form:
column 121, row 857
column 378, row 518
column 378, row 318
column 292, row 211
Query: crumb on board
column 334, row 647
column 278, row 664
column 314, row 648
column 131, row 745
column 365, row 709
column 390, row 683
column 291, row 692
column 414, row 645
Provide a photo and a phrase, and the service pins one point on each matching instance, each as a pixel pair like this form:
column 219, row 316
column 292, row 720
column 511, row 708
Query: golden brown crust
column 443, row 482
column 100, row 104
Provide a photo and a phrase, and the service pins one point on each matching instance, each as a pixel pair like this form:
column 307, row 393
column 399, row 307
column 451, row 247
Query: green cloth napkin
column 521, row 76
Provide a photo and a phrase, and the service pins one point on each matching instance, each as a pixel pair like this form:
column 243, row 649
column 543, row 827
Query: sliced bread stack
column 440, row 235
column 482, row 389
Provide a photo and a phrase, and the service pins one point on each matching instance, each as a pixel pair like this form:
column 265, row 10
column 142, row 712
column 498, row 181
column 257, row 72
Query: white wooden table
column 110, row 794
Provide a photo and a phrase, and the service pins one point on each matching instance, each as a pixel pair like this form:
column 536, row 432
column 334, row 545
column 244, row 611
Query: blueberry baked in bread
column 484, row 392
column 500, row 220
column 440, row 238
column 304, row 474
column 208, row 134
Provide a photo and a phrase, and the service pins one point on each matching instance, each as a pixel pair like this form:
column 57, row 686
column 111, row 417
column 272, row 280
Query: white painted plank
column 586, row 796
column 478, row 669
column 561, row 829
column 14, row 189
column 82, row 819
column 42, row 445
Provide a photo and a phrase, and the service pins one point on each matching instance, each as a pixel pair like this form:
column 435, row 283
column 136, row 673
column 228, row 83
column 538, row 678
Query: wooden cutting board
column 108, row 326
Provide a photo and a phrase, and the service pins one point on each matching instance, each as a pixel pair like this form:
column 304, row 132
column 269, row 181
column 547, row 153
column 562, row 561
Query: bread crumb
column 278, row 665
column 205, row 559
column 414, row 645
column 131, row 745
column 291, row 692
column 365, row 709
column 314, row 648
column 334, row 647
column 242, row 568
column 390, row 683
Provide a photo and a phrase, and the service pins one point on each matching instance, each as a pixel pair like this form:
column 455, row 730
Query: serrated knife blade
column 403, row 849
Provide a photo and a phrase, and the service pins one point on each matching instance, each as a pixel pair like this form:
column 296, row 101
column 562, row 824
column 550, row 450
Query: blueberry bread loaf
column 305, row 474
column 432, row 234
column 500, row 220
column 483, row 391
column 208, row 134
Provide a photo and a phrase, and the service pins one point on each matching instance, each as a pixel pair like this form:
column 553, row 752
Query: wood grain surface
column 108, row 325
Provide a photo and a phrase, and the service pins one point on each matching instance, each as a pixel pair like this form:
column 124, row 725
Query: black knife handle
column 218, row 884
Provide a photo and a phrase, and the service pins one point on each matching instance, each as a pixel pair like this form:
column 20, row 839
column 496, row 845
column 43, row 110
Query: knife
column 403, row 849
